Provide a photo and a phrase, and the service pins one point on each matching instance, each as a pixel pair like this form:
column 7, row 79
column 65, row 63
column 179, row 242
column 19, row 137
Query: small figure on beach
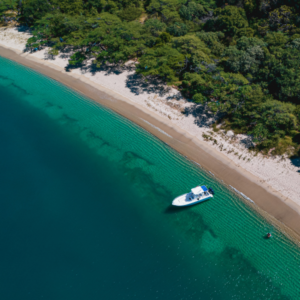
column 269, row 235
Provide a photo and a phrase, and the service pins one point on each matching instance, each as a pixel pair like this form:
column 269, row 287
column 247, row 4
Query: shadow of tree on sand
column 203, row 118
column 139, row 85
column 136, row 83
column 24, row 29
column 108, row 69
column 296, row 162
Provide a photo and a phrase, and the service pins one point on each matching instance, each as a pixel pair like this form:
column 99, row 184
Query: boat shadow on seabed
column 171, row 209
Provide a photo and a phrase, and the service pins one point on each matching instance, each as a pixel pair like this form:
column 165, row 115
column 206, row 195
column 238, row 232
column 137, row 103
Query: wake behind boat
column 196, row 195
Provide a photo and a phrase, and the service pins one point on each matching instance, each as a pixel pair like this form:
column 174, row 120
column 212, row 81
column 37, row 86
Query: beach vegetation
column 8, row 11
column 240, row 61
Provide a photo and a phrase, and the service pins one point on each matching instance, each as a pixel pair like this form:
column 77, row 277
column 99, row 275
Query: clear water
column 85, row 210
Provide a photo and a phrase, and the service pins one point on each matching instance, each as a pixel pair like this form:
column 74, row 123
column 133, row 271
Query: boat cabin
column 200, row 191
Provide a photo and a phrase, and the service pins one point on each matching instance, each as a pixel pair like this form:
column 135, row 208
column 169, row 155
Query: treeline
column 239, row 57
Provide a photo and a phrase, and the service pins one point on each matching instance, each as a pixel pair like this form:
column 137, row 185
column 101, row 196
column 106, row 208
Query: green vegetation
column 242, row 60
column 7, row 10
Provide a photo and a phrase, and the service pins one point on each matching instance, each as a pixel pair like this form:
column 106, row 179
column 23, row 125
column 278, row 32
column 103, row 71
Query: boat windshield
column 197, row 190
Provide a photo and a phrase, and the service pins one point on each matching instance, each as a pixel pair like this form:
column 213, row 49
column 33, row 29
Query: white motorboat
column 196, row 195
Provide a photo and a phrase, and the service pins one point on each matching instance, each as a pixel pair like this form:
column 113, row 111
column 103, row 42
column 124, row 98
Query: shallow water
column 85, row 210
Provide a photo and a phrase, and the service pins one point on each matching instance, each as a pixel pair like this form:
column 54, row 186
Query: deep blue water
column 85, row 210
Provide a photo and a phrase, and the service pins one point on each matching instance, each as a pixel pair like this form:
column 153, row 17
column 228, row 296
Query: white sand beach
column 278, row 174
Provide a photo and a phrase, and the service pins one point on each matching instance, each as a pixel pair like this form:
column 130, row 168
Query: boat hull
column 184, row 200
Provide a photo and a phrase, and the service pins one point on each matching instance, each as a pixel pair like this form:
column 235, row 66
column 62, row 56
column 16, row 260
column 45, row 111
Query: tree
column 210, row 37
column 178, row 29
column 7, row 10
column 245, row 57
column 246, row 32
column 165, row 62
column 77, row 59
column 192, row 11
column 71, row 7
column 276, row 121
column 117, row 43
column 283, row 75
column 219, row 90
column 295, row 44
column 251, row 6
column 245, row 43
column 93, row 4
column 282, row 19
column 167, row 9
column 277, row 39
column 194, row 50
column 246, row 113
column 155, row 27
column 33, row 10
column 230, row 19
column 130, row 13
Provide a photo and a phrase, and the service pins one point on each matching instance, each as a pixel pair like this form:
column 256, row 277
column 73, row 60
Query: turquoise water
column 85, row 210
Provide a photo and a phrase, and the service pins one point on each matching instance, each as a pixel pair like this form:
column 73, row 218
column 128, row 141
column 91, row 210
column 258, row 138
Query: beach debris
column 270, row 151
column 230, row 133
column 160, row 130
column 197, row 163
column 243, row 195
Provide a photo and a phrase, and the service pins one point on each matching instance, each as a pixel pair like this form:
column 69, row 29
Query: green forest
column 240, row 58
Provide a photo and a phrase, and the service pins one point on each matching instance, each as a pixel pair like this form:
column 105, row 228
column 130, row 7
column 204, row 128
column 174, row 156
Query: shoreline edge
column 268, row 200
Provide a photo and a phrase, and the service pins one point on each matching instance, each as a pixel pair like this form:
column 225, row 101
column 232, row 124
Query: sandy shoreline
column 266, row 197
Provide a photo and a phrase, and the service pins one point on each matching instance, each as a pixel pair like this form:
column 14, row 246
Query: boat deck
column 190, row 199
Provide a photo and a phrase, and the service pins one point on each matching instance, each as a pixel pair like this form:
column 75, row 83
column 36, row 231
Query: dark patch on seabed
column 130, row 156
column 12, row 84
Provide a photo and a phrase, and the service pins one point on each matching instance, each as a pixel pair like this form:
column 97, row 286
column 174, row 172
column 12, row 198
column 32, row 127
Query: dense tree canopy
column 241, row 58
